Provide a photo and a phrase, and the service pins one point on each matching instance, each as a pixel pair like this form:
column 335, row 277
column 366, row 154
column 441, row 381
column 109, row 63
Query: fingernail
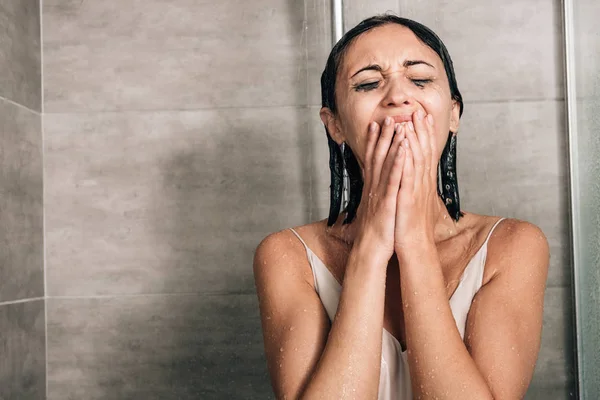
column 372, row 126
column 388, row 121
column 411, row 126
column 430, row 119
column 397, row 128
column 420, row 114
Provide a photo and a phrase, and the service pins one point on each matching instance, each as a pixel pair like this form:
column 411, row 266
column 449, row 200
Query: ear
column 330, row 121
column 455, row 116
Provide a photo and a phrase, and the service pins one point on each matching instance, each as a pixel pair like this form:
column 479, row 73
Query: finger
column 395, row 174
column 381, row 149
column 423, row 134
column 417, row 154
column 392, row 159
column 370, row 148
column 432, row 148
column 408, row 171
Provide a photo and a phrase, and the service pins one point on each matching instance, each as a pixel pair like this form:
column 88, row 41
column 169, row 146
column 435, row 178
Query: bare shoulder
column 518, row 247
column 282, row 253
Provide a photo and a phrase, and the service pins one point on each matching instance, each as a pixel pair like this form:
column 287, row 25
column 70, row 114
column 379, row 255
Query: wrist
column 369, row 246
column 416, row 249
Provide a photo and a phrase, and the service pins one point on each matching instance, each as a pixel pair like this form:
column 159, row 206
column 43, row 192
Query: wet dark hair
column 338, row 160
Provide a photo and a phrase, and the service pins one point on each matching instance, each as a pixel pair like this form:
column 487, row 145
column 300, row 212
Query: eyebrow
column 406, row 64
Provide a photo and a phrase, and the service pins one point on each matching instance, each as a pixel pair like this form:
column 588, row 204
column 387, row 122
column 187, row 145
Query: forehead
column 389, row 46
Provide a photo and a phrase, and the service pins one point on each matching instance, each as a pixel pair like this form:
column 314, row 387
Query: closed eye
column 421, row 82
column 366, row 86
column 373, row 85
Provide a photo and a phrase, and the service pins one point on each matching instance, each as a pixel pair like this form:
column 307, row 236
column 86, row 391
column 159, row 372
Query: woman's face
column 403, row 76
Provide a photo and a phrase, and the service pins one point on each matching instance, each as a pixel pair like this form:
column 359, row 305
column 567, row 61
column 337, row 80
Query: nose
column 398, row 92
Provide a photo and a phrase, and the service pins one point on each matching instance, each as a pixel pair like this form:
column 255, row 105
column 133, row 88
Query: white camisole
column 394, row 379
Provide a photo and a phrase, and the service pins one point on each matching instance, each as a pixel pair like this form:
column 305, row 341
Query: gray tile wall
column 23, row 357
column 175, row 140
column 178, row 134
column 22, row 322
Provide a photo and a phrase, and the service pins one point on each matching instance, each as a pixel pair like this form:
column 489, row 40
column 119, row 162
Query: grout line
column 9, row 101
column 110, row 296
column 6, row 303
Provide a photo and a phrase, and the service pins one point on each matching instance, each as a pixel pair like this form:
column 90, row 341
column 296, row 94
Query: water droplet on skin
column 415, row 292
column 281, row 349
column 291, row 328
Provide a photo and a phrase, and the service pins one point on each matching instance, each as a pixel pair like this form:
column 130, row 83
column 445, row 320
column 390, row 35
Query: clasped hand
column 398, row 203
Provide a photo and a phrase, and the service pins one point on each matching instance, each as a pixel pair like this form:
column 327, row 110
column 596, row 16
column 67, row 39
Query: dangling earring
column 337, row 176
column 449, row 180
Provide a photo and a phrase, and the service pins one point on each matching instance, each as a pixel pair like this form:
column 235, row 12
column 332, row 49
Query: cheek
column 356, row 117
column 438, row 104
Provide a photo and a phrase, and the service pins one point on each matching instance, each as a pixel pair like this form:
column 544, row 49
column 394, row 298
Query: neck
column 445, row 227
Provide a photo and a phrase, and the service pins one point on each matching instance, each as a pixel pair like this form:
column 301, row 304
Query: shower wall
column 22, row 325
column 175, row 140
column 179, row 134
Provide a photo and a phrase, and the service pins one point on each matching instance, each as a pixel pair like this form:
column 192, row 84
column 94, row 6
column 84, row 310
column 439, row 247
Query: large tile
column 22, row 351
column 156, row 347
column 20, row 65
column 21, row 230
column 555, row 367
column 357, row 10
column 185, row 54
column 501, row 50
column 512, row 161
column 155, row 202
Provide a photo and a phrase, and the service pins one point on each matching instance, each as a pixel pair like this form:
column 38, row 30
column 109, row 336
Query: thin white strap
column 492, row 230
column 298, row 236
column 310, row 260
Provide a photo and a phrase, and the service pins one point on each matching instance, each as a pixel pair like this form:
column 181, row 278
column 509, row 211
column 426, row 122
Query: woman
column 402, row 295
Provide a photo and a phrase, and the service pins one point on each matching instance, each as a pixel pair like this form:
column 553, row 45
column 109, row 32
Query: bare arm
column 304, row 361
column 497, row 358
